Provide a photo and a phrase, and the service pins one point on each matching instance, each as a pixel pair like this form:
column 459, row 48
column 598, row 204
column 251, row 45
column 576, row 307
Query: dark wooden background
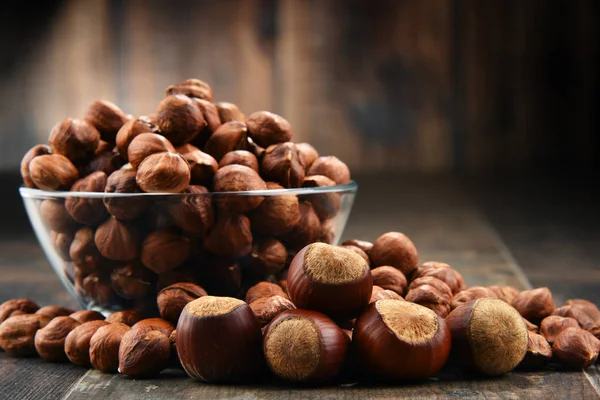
column 404, row 85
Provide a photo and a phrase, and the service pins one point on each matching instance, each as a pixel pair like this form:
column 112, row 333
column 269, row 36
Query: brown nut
column 84, row 316
column 266, row 128
column 213, row 122
column 539, row 352
column 124, row 181
column 361, row 244
column 154, row 324
column 172, row 299
column 277, row 214
column 55, row 216
column 535, row 304
column 582, row 302
column 163, row 173
column 117, row 240
column 268, row 256
column 17, row 333
column 308, row 154
column 97, row 287
column 131, row 281
column 506, row 293
column 146, row 144
column 267, row 308
column 17, row 307
column 240, row 157
column 332, row 168
column 179, row 119
column 389, row 278
column 264, row 289
column 128, row 318
column 88, row 211
column 307, row 230
column 163, row 251
column 236, row 178
column 326, row 205
column 428, row 296
column 553, row 325
column 104, row 347
column 576, row 348
column 472, row 293
column 193, row 212
column 52, row 172
column 192, row 88
column 77, row 342
column 144, row 353
column 231, row 236
column 202, row 166
column 62, row 243
column 75, row 139
column 130, row 130
column 579, row 313
column 281, row 163
column 54, row 311
column 228, row 137
column 395, row 249
column 358, row 251
column 442, row 271
column 83, row 251
column 229, row 112
column 107, row 118
column 37, row 150
column 50, row 340
column 105, row 160
column 380, row 293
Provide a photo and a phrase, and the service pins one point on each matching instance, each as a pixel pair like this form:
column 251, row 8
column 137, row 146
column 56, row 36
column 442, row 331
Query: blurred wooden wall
column 407, row 85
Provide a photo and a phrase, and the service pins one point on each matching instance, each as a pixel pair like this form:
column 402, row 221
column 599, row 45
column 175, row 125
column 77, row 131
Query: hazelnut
column 97, row 288
column 84, row 316
column 55, row 216
column 83, row 251
column 193, row 212
column 128, row 318
column 75, row 139
column 488, row 335
column 62, row 243
column 582, row 302
column 105, row 160
column 131, row 281
column 535, row 304
column 277, row 214
column 579, row 313
column 219, row 340
column 438, row 284
column 380, row 293
column 539, row 352
column 228, row 137
column 281, row 163
column 308, row 154
column 264, row 289
column 576, row 348
column 268, row 256
column 331, row 280
column 146, row 144
column 428, row 296
column 332, row 168
column 267, row 308
column 117, row 240
column 359, row 252
column 172, row 299
column 361, row 244
column 104, row 346
column 107, row 118
column 230, row 236
column 163, row 173
column 304, row 346
column 52, row 172
column 179, row 119
column 472, row 293
column 397, row 340
column 307, row 230
column 229, row 112
column 202, row 166
column 38, row 150
column 240, row 157
column 17, row 307
column 326, row 205
column 213, row 122
column 221, row 276
column 164, row 250
column 124, row 181
column 506, row 293
column 266, row 128
column 192, row 88
column 553, row 325
column 17, row 333
column 87, row 211
column 130, row 130
column 395, row 249
column 77, row 342
column 154, row 324
column 389, row 278
column 144, row 353
column 54, row 311
column 443, row 272
column 50, row 340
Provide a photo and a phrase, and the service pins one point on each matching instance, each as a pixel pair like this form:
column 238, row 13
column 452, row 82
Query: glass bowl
column 116, row 251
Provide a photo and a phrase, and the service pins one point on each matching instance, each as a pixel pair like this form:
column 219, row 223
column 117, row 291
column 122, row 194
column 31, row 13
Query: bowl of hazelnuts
column 198, row 192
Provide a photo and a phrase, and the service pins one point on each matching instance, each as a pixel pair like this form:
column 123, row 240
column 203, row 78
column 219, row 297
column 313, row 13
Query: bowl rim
column 31, row 193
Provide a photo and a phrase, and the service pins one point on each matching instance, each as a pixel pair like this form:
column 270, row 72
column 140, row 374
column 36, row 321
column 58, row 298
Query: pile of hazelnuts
column 120, row 251
column 352, row 313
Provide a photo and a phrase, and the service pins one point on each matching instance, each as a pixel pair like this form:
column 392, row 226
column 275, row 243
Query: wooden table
column 477, row 226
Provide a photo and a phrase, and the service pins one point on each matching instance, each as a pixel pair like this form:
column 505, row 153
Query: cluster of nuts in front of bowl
column 124, row 250
column 360, row 311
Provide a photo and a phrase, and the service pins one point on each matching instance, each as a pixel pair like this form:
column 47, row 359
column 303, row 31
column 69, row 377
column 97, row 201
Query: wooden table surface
column 509, row 232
